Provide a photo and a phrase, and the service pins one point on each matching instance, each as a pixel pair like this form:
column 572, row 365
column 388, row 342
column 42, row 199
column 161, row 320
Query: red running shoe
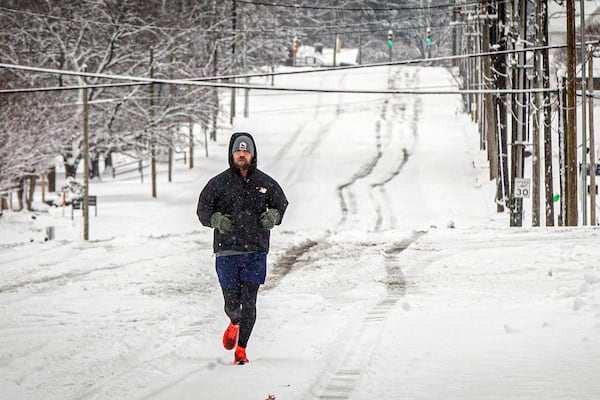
column 230, row 336
column 240, row 356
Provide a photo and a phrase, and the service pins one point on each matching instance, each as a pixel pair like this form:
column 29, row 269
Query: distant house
column 319, row 56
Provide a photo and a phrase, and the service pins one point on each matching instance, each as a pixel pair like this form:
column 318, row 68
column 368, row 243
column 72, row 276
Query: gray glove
column 221, row 222
column 269, row 218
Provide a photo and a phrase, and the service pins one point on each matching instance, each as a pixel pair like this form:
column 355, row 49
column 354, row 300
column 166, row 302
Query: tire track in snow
column 340, row 383
column 292, row 255
column 378, row 194
column 284, row 263
column 344, row 191
column 380, row 201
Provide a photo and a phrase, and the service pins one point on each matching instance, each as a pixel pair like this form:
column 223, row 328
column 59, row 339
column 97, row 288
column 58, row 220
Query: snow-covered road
column 370, row 293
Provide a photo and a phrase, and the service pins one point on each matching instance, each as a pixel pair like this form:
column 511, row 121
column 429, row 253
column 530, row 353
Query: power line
column 402, row 62
column 205, row 82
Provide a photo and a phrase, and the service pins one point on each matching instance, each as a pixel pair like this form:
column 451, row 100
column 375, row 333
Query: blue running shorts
column 250, row 267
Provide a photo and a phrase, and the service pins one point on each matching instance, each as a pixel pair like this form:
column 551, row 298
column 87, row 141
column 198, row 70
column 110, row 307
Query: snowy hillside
column 390, row 277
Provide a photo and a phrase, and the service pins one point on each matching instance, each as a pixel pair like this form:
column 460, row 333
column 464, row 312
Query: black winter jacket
column 244, row 199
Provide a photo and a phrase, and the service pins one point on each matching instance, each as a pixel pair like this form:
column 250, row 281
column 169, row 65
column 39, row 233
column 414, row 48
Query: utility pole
column 335, row 35
column 549, row 183
column 171, row 133
column 501, row 65
column 469, row 66
column 490, row 120
column 273, row 48
column 519, row 119
column 571, row 134
column 360, row 19
column 233, row 59
column 562, row 147
column 215, row 72
column 479, row 74
column 592, row 142
column 537, row 115
column 247, row 79
column 86, row 161
column 152, row 128
column 454, row 35
column 583, row 174
column 191, row 142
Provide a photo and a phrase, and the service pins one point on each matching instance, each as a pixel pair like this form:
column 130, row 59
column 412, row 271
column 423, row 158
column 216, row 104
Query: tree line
column 182, row 39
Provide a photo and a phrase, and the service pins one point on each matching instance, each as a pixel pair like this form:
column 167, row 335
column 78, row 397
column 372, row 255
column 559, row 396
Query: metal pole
column 583, row 174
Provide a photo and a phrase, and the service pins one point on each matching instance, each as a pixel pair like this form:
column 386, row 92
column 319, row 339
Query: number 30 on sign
column 522, row 187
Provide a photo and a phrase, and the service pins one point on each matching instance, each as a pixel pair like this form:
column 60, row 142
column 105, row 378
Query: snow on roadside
column 494, row 314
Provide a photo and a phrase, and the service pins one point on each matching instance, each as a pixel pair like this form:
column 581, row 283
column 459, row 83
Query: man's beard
column 242, row 163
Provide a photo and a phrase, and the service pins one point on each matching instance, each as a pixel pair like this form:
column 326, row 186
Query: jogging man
column 242, row 204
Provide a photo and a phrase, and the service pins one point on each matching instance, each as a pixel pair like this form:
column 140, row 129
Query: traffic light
column 428, row 38
column 296, row 45
column 390, row 38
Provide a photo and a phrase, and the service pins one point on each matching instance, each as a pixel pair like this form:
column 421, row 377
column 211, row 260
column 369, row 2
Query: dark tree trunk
column 70, row 170
column 29, row 199
column 52, row 180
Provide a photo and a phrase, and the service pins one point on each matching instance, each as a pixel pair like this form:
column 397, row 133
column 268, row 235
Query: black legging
column 240, row 307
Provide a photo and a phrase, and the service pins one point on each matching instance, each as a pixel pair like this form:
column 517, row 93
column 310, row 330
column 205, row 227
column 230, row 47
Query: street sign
column 522, row 187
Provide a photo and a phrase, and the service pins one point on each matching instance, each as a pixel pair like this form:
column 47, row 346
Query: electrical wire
column 206, row 82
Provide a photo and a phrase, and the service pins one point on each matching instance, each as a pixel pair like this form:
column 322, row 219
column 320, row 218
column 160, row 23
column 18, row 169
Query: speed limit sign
column 522, row 187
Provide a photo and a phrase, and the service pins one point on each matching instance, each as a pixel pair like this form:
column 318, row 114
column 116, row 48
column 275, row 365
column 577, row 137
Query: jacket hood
column 254, row 161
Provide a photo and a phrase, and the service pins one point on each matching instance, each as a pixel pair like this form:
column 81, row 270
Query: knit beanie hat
column 243, row 142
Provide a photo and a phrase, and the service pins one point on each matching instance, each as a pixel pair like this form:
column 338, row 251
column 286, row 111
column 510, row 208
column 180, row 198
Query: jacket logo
column 261, row 189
